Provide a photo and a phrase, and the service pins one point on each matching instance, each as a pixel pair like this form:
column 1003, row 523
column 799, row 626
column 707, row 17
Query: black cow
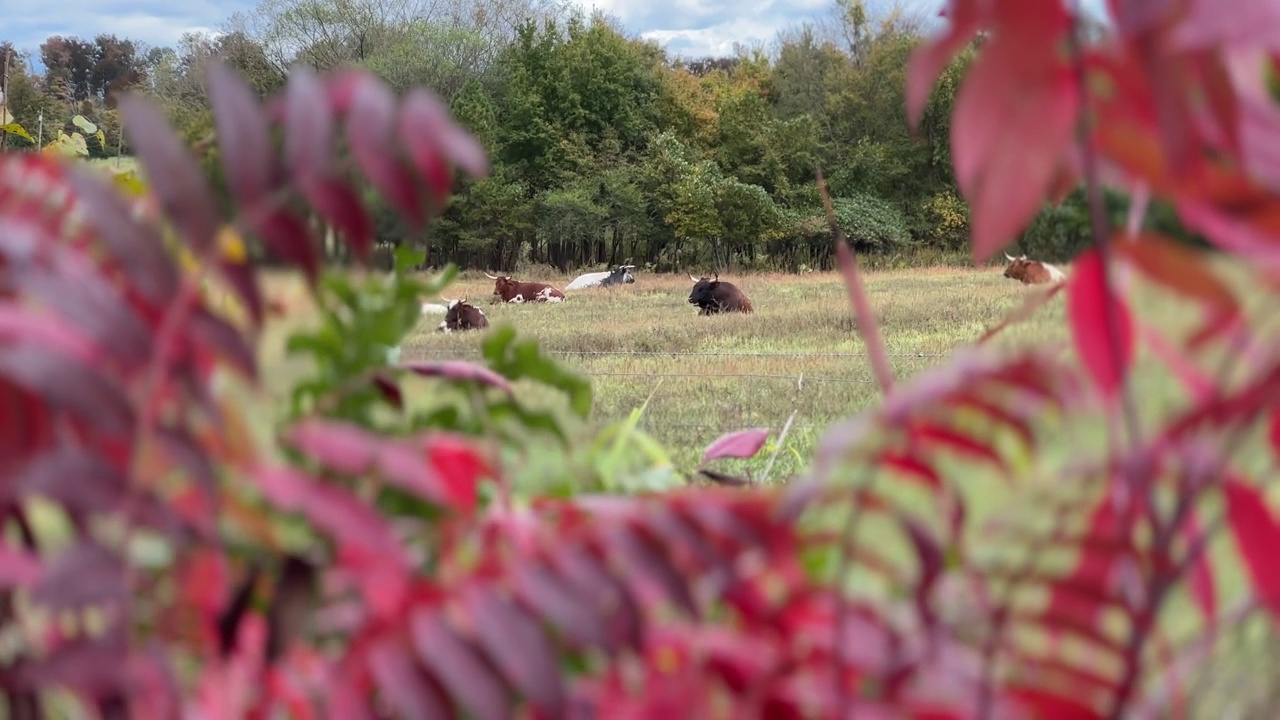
column 462, row 316
column 713, row 295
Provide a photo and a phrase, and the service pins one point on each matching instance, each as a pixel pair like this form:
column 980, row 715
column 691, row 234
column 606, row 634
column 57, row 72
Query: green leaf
column 522, row 359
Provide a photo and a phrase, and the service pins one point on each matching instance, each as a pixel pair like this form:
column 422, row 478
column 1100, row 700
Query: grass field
column 704, row 376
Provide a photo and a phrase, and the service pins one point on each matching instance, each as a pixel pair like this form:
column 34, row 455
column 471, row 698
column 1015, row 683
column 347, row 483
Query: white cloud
column 154, row 22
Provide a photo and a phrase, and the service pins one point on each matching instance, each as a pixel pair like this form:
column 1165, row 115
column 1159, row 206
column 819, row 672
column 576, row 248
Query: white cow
column 604, row 278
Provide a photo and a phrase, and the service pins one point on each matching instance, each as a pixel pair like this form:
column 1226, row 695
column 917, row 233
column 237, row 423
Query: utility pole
column 4, row 101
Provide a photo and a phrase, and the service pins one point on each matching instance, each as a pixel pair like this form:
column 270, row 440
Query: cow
column 607, row 278
column 713, row 295
column 1032, row 272
column 462, row 315
column 510, row 291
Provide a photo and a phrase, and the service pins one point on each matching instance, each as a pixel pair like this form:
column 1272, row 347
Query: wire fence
column 655, row 419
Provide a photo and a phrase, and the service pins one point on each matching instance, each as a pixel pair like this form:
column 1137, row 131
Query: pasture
column 799, row 352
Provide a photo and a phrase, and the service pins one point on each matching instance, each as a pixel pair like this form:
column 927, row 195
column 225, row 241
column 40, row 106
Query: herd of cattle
column 711, row 294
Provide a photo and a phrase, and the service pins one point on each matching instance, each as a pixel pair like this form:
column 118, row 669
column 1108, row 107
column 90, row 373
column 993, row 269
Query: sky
column 691, row 28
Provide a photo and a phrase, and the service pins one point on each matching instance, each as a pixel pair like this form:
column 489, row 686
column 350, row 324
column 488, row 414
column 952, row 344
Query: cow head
column 703, row 289
column 624, row 273
column 1017, row 268
column 503, row 286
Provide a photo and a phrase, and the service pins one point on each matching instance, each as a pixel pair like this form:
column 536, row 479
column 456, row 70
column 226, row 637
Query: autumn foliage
column 359, row 567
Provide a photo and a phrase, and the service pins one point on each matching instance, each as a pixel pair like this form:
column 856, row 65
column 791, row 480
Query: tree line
column 605, row 149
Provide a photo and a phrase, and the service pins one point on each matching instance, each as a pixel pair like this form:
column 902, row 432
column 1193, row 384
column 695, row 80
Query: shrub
column 367, row 558
column 948, row 220
column 871, row 224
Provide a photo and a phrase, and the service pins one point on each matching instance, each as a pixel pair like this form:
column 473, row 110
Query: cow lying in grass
column 713, row 295
column 1032, row 272
column 512, row 291
column 462, row 315
column 605, row 278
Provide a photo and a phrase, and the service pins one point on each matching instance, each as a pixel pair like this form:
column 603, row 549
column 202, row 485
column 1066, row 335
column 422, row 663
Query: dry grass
column 704, row 376
column 708, row 375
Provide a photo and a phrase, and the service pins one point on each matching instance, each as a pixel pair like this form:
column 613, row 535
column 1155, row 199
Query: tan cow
column 1032, row 272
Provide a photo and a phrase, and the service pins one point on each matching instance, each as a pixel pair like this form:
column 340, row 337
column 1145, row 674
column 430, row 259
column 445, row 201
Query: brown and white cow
column 713, row 295
column 511, row 291
column 462, row 315
column 1032, row 272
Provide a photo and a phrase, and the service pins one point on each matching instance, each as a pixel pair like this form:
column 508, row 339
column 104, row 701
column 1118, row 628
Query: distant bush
column 871, row 224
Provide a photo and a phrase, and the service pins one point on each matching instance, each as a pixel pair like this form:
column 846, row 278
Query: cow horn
column 693, row 278
column 1009, row 256
column 491, row 277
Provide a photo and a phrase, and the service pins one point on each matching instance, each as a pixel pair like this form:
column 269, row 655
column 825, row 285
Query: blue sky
column 686, row 27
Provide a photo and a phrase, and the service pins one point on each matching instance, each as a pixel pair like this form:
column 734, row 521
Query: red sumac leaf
column 84, row 574
column 648, row 559
column 459, row 370
column 18, row 568
column 1006, row 168
column 79, row 293
column 339, row 204
column 243, row 143
column 557, row 603
column 289, row 238
column 341, row 514
column 607, row 596
column 1044, row 705
column 349, row 449
column 405, row 686
column 222, row 337
column 65, row 384
column 135, row 245
column 178, row 184
column 374, row 106
column 95, row 666
column 929, row 60
column 1089, row 303
column 516, row 644
column 390, row 390
column 80, row 480
column 930, row 556
column 49, row 333
column 739, row 444
column 912, row 466
column 1177, row 267
column 426, row 128
column 933, row 434
column 1257, row 535
column 244, row 280
column 340, row 88
column 185, row 452
column 308, row 125
column 459, row 466
column 459, row 667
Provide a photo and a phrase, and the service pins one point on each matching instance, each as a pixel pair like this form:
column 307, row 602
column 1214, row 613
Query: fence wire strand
column 651, row 422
